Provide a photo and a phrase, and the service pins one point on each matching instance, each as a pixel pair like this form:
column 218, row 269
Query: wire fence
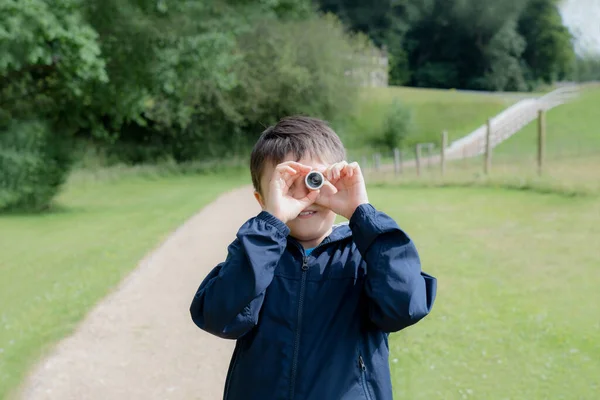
column 566, row 159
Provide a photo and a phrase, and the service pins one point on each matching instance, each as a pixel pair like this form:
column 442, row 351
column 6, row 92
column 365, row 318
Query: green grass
column 572, row 162
column 517, row 310
column 573, row 130
column 55, row 266
column 433, row 110
column 516, row 315
column 517, row 261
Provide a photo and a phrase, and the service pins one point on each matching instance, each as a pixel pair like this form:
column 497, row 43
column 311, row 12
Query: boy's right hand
column 279, row 202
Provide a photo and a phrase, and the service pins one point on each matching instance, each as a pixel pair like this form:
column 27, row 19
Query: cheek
column 330, row 218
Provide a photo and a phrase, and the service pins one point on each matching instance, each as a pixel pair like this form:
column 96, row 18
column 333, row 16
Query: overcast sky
column 583, row 19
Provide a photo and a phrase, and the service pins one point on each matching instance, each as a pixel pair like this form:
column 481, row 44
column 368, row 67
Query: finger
column 310, row 198
column 330, row 186
column 327, row 173
column 284, row 170
column 296, row 178
column 287, row 174
column 353, row 168
column 347, row 171
column 337, row 170
column 288, row 171
column 296, row 165
column 331, row 172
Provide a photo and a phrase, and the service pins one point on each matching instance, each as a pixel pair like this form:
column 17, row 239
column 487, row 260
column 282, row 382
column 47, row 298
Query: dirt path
column 139, row 342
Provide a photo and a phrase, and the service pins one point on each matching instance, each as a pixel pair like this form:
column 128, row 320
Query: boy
column 311, row 304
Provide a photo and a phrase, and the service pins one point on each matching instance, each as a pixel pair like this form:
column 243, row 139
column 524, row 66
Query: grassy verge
column 55, row 266
column 568, row 177
column 572, row 162
column 433, row 111
column 516, row 313
column 572, row 131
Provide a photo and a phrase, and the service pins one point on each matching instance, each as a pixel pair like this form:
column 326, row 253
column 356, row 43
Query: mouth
column 306, row 214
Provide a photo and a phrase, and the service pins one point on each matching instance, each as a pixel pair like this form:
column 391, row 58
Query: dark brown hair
column 298, row 135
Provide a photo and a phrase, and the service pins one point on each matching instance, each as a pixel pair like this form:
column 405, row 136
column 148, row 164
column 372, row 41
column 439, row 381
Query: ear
column 259, row 198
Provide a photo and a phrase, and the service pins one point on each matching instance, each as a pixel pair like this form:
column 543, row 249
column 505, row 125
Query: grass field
column 573, row 130
column 433, row 111
column 518, row 307
column 572, row 162
column 54, row 267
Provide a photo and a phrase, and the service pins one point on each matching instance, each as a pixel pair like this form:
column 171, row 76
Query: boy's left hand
column 350, row 190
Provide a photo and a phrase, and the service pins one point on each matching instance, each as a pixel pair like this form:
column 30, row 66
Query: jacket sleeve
column 399, row 293
column 228, row 301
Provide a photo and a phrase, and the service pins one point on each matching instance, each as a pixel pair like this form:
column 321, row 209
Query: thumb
column 310, row 198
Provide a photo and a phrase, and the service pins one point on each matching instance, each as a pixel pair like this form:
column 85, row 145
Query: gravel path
column 140, row 342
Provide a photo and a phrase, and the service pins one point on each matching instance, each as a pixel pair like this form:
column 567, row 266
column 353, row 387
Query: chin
column 306, row 231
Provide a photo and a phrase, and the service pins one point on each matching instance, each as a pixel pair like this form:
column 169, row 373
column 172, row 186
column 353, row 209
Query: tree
column 472, row 44
column 463, row 43
column 173, row 71
column 549, row 50
column 384, row 21
column 48, row 56
column 503, row 54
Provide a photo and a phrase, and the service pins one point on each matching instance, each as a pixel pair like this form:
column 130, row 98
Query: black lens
column 314, row 179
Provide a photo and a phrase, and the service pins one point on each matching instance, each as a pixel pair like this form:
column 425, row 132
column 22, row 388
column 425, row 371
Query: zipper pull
column 305, row 264
column 361, row 363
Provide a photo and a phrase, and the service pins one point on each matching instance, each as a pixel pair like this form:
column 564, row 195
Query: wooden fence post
column 429, row 155
column 418, row 158
column 397, row 162
column 541, row 140
column 488, row 148
column 376, row 161
column 443, row 151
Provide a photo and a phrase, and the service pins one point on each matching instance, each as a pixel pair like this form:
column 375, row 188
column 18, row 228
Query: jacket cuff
column 275, row 222
column 364, row 226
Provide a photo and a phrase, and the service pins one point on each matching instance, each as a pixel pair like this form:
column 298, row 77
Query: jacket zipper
column 299, row 327
column 363, row 375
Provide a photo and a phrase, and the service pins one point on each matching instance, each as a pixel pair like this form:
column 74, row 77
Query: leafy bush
column 49, row 57
column 34, row 163
column 299, row 67
column 194, row 82
column 398, row 125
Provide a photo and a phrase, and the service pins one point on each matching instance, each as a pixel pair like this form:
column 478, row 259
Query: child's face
column 310, row 229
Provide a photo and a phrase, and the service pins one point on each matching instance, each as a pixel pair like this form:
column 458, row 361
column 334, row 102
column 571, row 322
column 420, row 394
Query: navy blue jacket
column 314, row 327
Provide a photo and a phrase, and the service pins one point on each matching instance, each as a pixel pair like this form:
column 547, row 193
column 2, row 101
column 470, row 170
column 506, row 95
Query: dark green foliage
column 469, row 44
column 199, row 80
column 145, row 80
column 548, row 53
column 385, row 21
column 586, row 68
column 48, row 57
column 34, row 163
column 398, row 125
column 466, row 44
column 297, row 68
